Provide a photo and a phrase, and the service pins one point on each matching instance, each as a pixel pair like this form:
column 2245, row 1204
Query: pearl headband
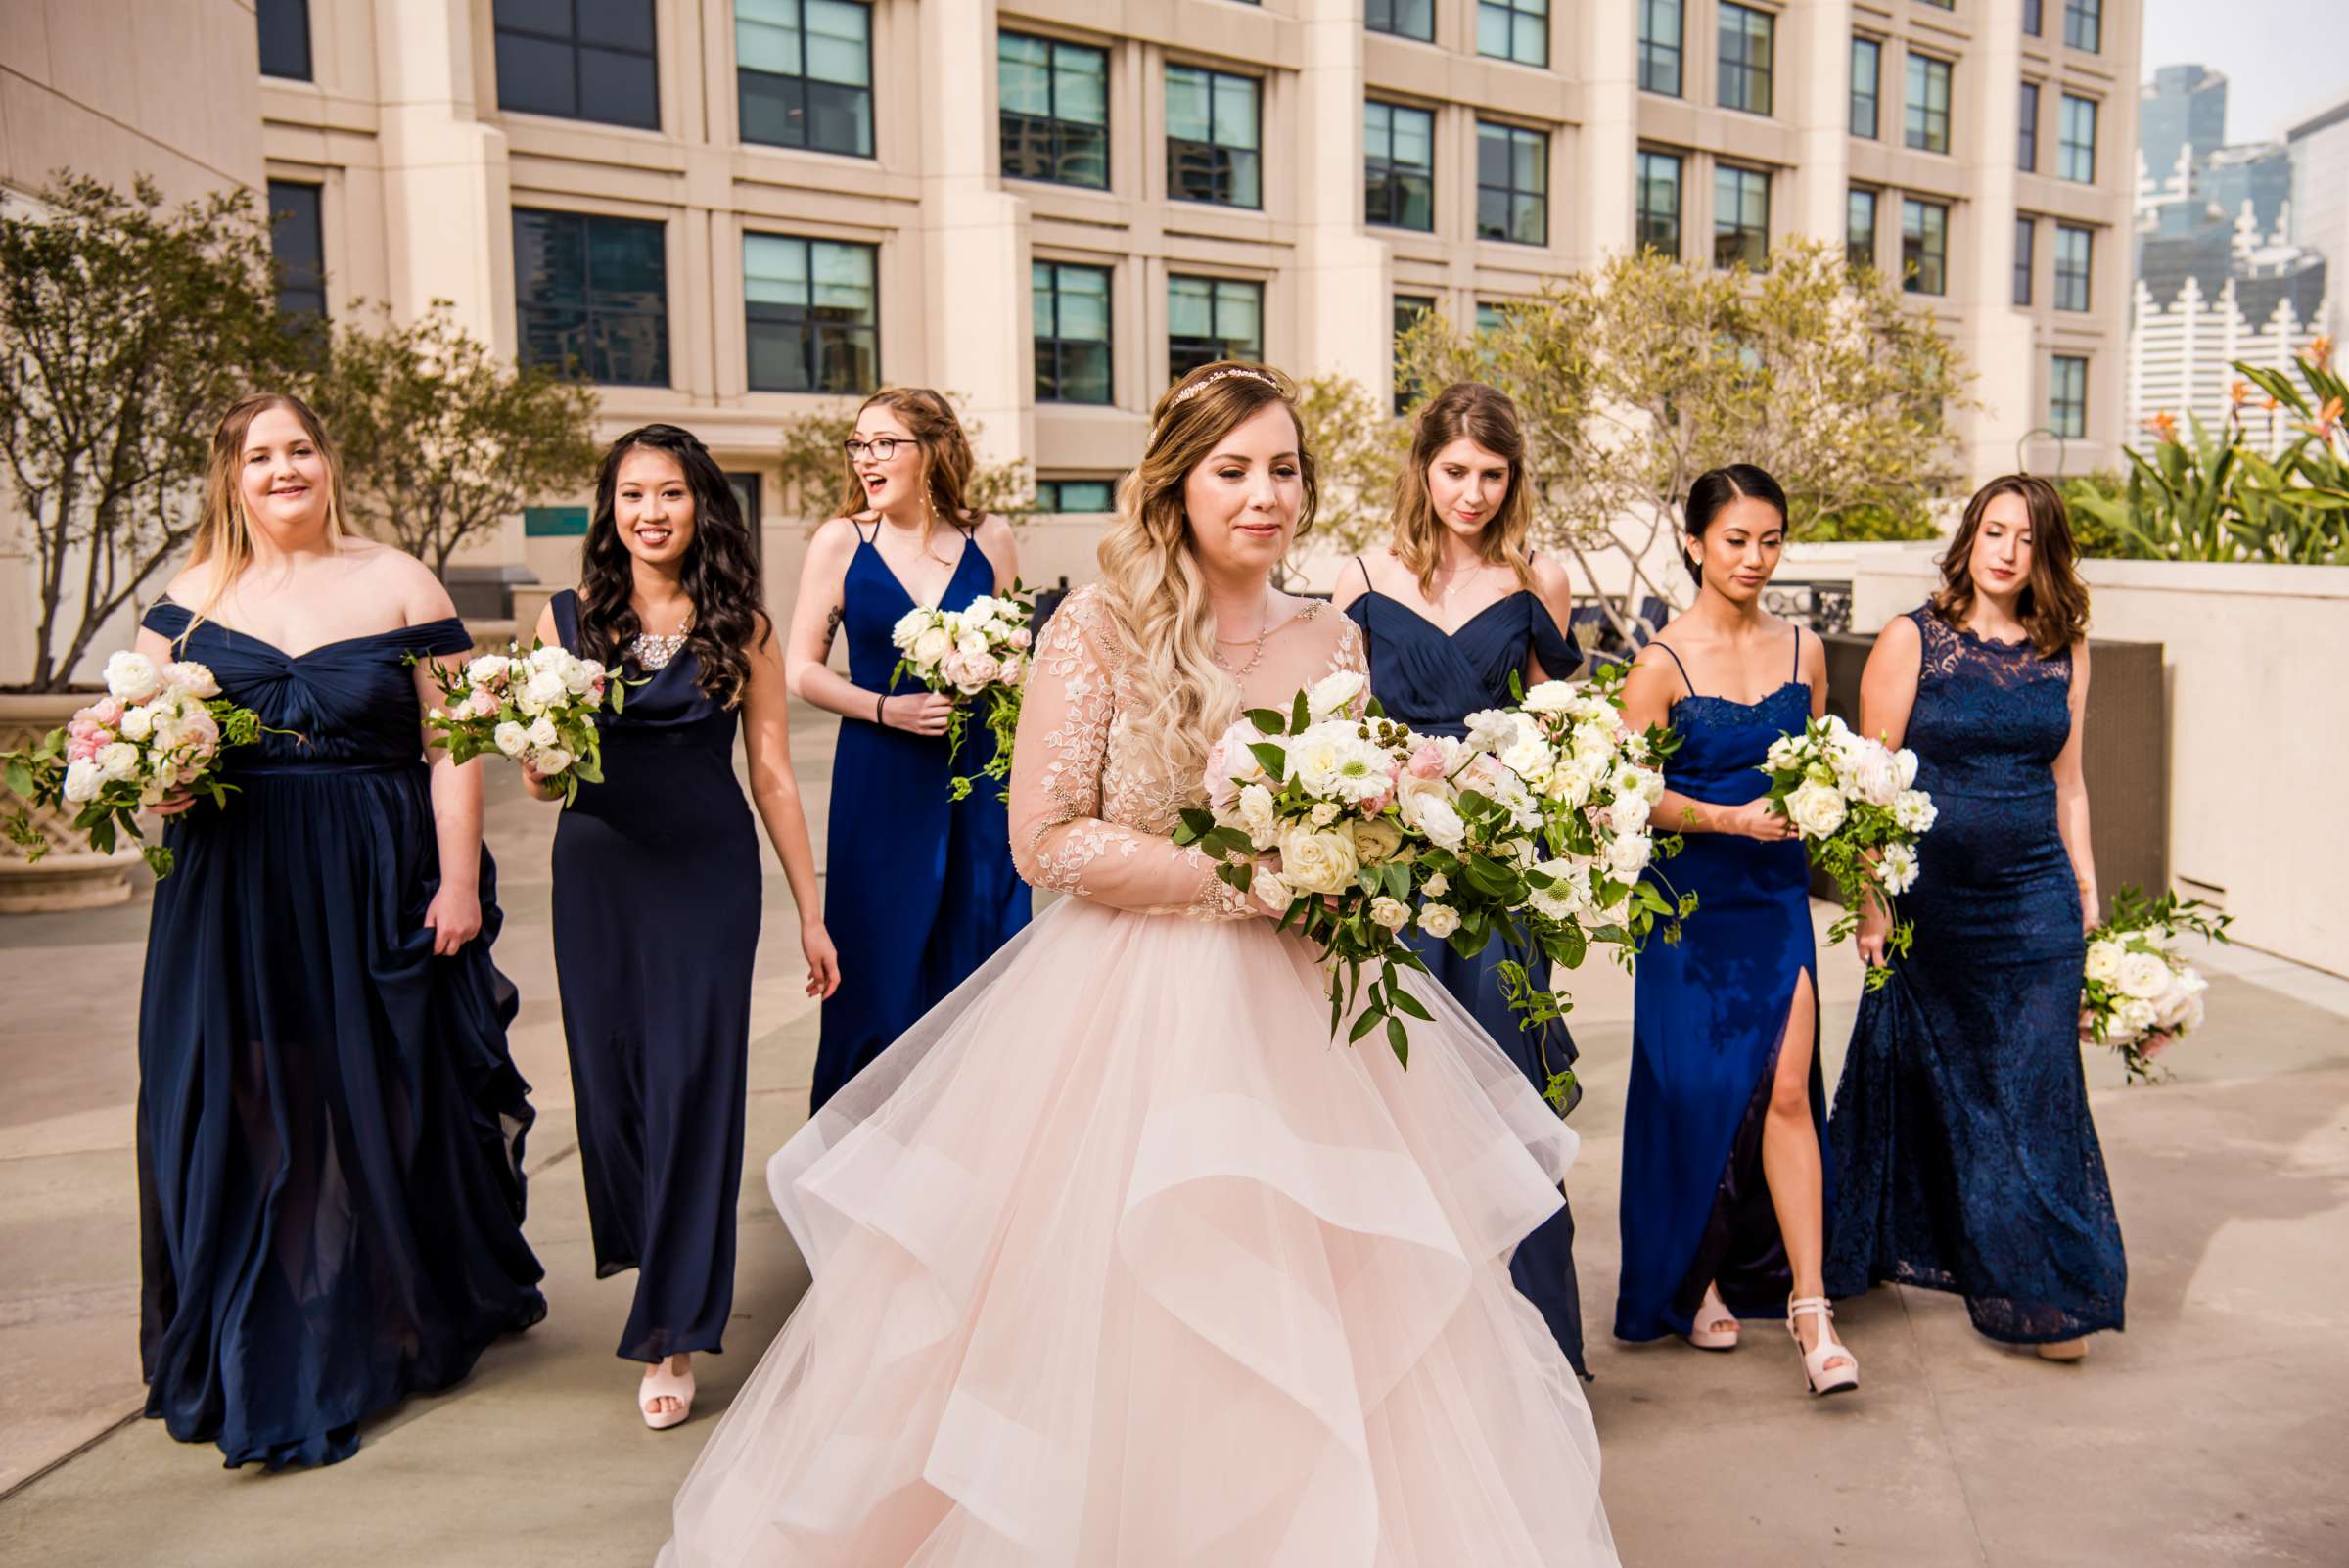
column 1193, row 390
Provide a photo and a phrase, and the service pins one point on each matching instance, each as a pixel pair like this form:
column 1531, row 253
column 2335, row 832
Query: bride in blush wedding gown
column 1119, row 1260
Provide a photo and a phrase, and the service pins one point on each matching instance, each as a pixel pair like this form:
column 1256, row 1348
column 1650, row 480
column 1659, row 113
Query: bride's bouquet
column 2138, row 994
column 159, row 732
column 1856, row 804
column 977, row 654
column 538, row 708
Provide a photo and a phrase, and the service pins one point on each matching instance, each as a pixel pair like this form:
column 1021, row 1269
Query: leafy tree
column 1358, row 444
column 126, row 326
column 1636, row 377
column 441, row 440
column 812, row 467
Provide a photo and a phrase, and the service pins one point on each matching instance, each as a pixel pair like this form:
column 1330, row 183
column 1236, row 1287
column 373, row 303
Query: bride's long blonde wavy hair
column 1179, row 698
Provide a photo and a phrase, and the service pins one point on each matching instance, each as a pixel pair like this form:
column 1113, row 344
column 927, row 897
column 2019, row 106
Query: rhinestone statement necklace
column 654, row 653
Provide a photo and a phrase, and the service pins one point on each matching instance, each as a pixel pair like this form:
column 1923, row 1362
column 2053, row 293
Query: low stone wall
column 2258, row 753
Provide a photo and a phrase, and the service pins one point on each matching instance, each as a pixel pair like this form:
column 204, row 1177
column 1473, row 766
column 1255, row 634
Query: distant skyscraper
column 2184, row 106
column 2257, row 172
column 2319, row 152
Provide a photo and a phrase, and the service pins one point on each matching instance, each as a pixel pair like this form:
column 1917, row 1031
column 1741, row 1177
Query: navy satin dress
column 1961, row 1132
column 919, row 889
column 656, row 917
column 1710, row 1017
column 330, row 1128
column 1431, row 682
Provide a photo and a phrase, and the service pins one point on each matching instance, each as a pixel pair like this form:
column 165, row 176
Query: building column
column 1342, row 287
column 1819, row 32
column 448, row 204
column 977, row 307
column 1608, row 138
column 1998, row 336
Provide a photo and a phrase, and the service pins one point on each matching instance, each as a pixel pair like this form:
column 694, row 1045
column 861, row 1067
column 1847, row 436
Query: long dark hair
column 721, row 576
column 1716, row 488
column 2053, row 607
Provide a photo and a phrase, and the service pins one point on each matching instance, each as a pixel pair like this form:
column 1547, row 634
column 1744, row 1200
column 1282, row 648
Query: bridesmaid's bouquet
column 159, row 732
column 538, row 708
column 1856, row 804
column 2138, row 994
column 976, row 655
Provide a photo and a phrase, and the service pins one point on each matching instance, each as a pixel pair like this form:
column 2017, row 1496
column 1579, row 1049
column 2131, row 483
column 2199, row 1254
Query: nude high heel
column 662, row 1383
column 1704, row 1332
column 1816, row 1373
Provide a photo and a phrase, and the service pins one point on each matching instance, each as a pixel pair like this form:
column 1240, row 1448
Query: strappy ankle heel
column 1816, row 1373
column 1703, row 1332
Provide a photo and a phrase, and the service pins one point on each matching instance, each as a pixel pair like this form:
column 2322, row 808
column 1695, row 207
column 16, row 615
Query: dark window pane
column 811, row 312
column 619, row 89
column 1054, row 110
column 1925, row 247
column 1859, row 230
column 592, row 296
column 550, row 16
column 534, row 76
column 774, row 109
column 1405, row 19
column 285, row 29
column 621, row 23
column 1211, row 137
column 296, row 242
column 2026, row 231
column 1512, row 184
column 839, row 119
column 578, row 59
column 2026, row 148
column 1658, row 204
column 1660, row 46
column 803, row 74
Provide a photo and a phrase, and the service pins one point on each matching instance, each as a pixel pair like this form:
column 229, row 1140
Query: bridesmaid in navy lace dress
column 1722, row 1178
column 657, row 889
column 1449, row 610
column 330, row 1127
column 1966, row 1155
column 919, row 889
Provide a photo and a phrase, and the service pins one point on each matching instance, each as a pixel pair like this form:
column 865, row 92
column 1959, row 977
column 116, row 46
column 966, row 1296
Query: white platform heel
column 1821, row 1377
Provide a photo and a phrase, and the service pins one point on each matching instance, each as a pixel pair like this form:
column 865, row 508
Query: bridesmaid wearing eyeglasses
column 919, row 889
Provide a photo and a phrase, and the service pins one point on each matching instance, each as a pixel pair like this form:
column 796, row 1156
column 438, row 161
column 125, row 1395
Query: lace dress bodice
column 1092, row 805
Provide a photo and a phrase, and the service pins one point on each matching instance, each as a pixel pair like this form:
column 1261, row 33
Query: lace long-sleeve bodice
column 1091, row 806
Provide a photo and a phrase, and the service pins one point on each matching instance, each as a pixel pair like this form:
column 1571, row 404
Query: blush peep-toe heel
column 1707, row 1332
column 1821, row 1377
column 659, row 1384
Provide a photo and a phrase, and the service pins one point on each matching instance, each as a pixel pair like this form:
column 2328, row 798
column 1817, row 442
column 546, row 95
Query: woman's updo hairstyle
column 1713, row 490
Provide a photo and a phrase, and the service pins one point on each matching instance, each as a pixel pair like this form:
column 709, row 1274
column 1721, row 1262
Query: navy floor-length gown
column 1432, row 681
column 330, row 1127
column 919, row 889
column 1710, row 1017
column 655, row 917
column 1967, row 1158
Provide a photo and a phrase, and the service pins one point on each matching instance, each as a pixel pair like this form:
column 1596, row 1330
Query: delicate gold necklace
column 1264, row 630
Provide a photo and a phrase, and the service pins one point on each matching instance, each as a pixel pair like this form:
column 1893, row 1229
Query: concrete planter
column 68, row 876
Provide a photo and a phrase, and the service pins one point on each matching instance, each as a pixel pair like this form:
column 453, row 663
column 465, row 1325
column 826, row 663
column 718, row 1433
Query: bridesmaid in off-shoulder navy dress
column 657, row 889
column 1437, row 656
column 330, row 1127
column 919, row 889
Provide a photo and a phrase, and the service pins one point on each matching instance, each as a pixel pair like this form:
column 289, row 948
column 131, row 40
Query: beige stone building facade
column 722, row 209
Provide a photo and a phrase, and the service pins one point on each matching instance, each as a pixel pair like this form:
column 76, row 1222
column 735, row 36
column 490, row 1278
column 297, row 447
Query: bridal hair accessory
column 1186, row 394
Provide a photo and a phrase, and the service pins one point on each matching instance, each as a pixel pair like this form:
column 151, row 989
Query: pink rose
column 595, row 691
column 106, row 711
column 1230, row 763
column 481, row 704
column 1018, row 638
column 83, row 748
column 1427, row 762
column 1377, row 804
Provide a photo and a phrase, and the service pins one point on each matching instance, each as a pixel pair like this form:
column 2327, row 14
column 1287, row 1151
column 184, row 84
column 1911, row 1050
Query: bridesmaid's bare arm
column 1557, row 592
column 2071, row 796
column 454, row 916
column 775, row 793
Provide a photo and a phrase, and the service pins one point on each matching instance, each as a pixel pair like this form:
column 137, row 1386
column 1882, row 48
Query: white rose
column 1437, row 885
column 83, row 779
column 1569, row 787
column 2143, row 975
column 485, row 671
column 1785, row 753
column 512, row 738
column 546, row 688
column 118, row 759
column 1323, row 813
column 909, row 625
column 550, row 760
column 1439, row 920
column 1333, row 694
column 543, row 733
column 1594, row 741
column 577, row 678
column 1271, row 890
column 138, row 722
column 1376, row 841
column 1552, row 696
column 195, row 680
column 1256, row 813
column 2135, row 1014
column 547, row 657
column 1903, row 763
column 1629, row 814
column 1897, row 866
column 1914, row 811
column 1874, row 779
column 131, row 677
column 1430, row 814
column 1392, row 913
column 1817, row 809
column 932, row 645
column 1627, row 856
column 1530, row 758
column 1313, row 862
column 1652, row 785
column 1491, row 728
column 2104, row 960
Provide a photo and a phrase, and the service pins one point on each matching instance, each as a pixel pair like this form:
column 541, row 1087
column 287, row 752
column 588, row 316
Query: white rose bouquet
column 156, row 733
column 538, row 708
column 2137, row 995
column 977, row 656
column 1856, row 804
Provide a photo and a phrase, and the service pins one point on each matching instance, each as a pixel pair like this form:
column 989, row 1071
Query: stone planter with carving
column 70, row 876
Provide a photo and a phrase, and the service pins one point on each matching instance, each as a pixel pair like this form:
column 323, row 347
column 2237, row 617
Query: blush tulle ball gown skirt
column 1120, row 1262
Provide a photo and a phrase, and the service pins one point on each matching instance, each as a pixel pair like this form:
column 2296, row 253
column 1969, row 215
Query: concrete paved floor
column 2212, row 1432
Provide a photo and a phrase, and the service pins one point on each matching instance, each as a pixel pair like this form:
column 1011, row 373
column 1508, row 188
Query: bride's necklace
column 1264, row 630
column 654, row 653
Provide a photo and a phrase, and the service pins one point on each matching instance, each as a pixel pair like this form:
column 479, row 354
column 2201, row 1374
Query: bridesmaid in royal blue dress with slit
column 1723, row 1182
column 1452, row 609
column 919, row 889
column 1968, row 1155
column 657, row 889
column 330, row 1128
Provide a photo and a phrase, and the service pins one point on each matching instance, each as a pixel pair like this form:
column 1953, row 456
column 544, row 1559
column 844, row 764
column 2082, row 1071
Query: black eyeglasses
column 881, row 449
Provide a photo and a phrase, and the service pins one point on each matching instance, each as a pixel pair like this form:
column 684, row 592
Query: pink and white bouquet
column 156, row 733
column 538, row 708
column 2138, row 994
column 1856, row 804
column 977, row 656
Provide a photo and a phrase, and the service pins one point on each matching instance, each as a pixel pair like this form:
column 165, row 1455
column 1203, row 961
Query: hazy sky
column 2283, row 59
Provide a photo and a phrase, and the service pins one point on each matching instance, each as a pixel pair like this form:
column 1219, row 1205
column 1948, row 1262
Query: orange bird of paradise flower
column 2164, row 424
column 2318, row 352
column 2329, row 420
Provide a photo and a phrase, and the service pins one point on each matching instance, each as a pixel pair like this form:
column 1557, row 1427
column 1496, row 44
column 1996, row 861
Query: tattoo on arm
column 832, row 628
